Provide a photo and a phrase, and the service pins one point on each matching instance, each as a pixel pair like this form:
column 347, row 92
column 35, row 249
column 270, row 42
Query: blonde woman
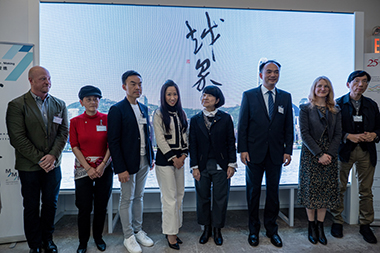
column 321, row 130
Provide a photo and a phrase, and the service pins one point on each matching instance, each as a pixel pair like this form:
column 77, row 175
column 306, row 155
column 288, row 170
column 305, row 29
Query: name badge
column 281, row 109
column 358, row 118
column 101, row 128
column 142, row 120
column 57, row 120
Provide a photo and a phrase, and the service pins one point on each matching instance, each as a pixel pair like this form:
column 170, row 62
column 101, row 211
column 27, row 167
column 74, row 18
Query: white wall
column 19, row 22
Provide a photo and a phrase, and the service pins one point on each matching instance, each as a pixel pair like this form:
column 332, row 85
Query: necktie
column 270, row 104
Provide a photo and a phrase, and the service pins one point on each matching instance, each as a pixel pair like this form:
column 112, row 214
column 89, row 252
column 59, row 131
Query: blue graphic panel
column 26, row 48
column 12, row 52
column 20, row 68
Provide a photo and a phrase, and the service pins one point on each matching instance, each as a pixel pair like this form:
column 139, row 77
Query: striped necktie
column 270, row 104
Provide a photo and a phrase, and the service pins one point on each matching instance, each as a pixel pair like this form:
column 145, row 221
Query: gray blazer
column 313, row 124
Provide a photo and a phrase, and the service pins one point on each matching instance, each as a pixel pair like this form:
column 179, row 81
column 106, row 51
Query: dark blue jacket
column 257, row 134
column 124, row 137
column 371, row 120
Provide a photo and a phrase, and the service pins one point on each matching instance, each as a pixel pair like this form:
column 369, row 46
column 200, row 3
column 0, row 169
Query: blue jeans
column 36, row 187
column 131, row 200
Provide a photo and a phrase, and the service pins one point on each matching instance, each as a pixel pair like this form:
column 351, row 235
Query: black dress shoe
column 82, row 248
column 218, row 239
column 367, row 234
column 253, row 240
column 100, row 244
column 35, row 250
column 174, row 245
column 276, row 240
column 205, row 235
column 337, row 230
column 50, row 247
column 313, row 232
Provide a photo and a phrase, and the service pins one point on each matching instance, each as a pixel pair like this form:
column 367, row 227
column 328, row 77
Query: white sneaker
column 131, row 245
column 143, row 239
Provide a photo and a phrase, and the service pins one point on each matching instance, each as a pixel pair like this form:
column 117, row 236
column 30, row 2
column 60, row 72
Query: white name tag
column 281, row 109
column 358, row 118
column 101, row 128
column 142, row 120
column 57, row 120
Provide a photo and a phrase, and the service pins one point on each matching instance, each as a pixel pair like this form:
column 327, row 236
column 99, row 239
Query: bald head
column 39, row 79
column 35, row 70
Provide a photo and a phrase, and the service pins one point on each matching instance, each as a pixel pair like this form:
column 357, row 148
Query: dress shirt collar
column 35, row 97
column 264, row 90
column 210, row 114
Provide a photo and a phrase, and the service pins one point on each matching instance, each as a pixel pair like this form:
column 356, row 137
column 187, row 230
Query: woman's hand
column 100, row 169
column 325, row 159
column 92, row 173
column 196, row 174
column 177, row 162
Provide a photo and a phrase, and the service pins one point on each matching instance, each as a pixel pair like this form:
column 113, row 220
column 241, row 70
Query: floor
column 235, row 236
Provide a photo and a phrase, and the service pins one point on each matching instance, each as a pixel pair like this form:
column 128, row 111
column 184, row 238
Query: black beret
column 89, row 90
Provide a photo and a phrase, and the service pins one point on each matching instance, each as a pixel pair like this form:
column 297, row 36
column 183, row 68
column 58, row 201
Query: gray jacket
column 313, row 124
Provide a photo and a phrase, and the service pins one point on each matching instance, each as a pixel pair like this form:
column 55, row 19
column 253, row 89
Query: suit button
column 45, row 137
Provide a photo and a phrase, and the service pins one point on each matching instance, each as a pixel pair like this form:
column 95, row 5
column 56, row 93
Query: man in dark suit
column 131, row 149
column 265, row 142
column 38, row 129
column 360, row 133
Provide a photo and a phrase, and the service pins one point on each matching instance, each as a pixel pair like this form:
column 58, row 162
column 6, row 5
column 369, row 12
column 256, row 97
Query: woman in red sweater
column 93, row 171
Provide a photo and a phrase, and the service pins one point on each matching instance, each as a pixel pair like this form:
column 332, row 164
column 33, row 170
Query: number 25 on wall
column 372, row 63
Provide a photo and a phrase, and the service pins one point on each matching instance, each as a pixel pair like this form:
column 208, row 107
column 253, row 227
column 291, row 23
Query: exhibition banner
column 15, row 61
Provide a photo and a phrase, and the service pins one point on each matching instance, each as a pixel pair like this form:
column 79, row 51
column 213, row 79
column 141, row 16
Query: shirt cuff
column 233, row 165
column 345, row 138
column 171, row 158
column 193, row 168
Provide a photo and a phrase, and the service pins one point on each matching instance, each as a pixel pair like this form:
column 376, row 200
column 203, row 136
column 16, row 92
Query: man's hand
column 356, row 138
column 369, row 136
column 230, row 172
column 47, row 163
column 123, row 177
column 244, row 157
column 153, row 164
column 287, row 159
column 196, row 174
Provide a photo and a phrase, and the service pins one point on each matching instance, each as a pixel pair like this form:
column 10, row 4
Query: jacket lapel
column 260, row 99
column 31, row 103
column 202, row 125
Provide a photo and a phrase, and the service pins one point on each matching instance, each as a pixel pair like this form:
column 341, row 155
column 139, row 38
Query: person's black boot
column 321, row 233
column 206, row 234
column 313, row 232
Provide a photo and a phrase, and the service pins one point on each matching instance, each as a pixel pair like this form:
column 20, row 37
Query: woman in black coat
column 213, row 161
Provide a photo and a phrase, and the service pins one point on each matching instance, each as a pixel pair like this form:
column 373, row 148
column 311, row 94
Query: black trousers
column 212, row 213
column 254, row 177
column 88, row 193
column 39, row 187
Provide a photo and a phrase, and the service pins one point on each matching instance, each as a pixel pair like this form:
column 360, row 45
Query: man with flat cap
column 38, row 129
